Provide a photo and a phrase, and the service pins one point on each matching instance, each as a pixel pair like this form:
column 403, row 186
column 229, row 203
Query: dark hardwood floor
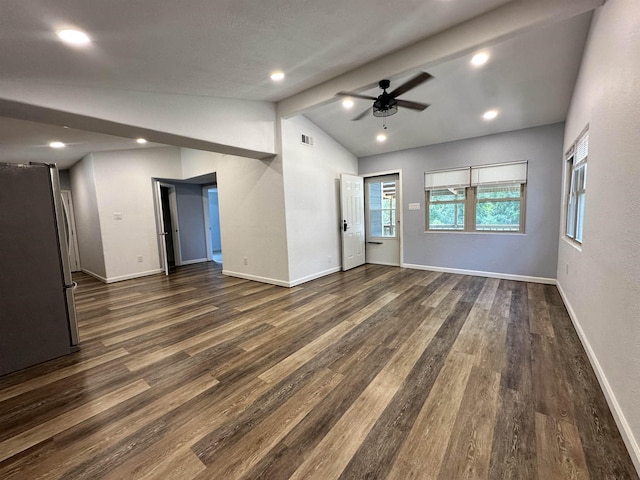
column 375, row 373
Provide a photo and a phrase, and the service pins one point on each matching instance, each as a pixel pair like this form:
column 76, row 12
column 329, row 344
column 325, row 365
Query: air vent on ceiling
column 306, row 139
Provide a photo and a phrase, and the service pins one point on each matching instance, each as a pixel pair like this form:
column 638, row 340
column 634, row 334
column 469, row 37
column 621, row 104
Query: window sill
column 429, row 232
column 572, row 243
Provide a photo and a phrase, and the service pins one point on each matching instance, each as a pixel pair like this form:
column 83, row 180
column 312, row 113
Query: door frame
column 173, row 212
column 207, row 223
column 398, row 202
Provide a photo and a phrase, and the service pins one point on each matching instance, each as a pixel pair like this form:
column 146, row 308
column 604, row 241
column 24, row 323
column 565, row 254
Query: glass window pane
column 498, row 216
column 375, row 196
column 375, row 223
column 571, row 216
column 505, row 191
column 446, row 216
column 447, row 195
column 580, row 220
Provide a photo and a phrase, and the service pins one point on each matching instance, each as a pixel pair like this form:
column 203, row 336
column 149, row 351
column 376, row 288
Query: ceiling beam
column 495, row 26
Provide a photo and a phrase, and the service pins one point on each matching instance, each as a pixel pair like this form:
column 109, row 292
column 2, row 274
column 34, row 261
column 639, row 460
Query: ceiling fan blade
column 362, row 115
column 355, row 95
column 412, row 83
column 412, row 105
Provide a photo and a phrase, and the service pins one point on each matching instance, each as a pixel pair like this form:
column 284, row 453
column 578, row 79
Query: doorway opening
column 167, row 221
column 212, row 223
column 382, row 219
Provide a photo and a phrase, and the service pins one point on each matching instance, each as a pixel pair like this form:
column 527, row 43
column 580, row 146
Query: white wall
column 252, row 215
column 602, row 287
column 123, row 182
column 87, row 217
column 312, row 198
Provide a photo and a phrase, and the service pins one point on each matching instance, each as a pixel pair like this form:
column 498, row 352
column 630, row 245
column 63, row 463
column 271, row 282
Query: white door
column 383, row 221
column 352, row 227
column 70, row 224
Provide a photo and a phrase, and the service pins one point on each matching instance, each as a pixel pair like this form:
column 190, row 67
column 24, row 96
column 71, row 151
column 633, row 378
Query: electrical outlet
column 140, row 259
column 117, row 216
column 329, row 258
column 566, row 269
column 246, row 261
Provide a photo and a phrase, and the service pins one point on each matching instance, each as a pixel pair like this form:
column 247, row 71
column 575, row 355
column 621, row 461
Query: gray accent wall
column 532, row 254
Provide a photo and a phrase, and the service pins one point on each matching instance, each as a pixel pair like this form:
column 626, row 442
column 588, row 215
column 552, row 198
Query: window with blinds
column 576, row 174
column 485, row 198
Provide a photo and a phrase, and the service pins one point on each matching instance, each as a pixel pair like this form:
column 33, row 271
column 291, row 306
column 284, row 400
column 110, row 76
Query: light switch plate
column 414, row 206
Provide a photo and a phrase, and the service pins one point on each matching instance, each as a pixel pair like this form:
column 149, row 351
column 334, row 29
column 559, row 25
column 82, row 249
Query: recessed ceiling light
column 347, row 103
column 381, row 137
column 57, row 145
column 73, row 37
column 277, row 76
column 490, row 114
column 141, row 140
column 479, row 59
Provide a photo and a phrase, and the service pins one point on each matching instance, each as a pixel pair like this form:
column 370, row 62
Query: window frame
column 428, row 203
column 471, row 200
column 574, row 191
column 393, row 211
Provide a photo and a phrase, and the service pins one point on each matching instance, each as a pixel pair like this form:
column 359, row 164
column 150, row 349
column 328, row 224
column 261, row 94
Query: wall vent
column 306, row 139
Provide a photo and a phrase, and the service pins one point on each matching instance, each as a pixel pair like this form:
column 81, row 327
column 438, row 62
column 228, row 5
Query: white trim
column 308, row 278
column 94, row 275
column 256, row 278
column 614, row 406
column 197, row 260
column 389, row 264
column 122, row 277
column 207, row 223
column 478, row 273
column 282, row 283
column 134, row 275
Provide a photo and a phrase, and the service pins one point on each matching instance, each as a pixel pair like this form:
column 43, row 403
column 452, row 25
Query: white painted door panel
column 352, row 207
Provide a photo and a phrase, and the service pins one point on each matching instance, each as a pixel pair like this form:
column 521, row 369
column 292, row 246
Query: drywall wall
column 125, row 198
column 252, row 214
column 532, row 254
column 191, row 222
column 87, row 218
column 600, row 281
column 65, row 179
column 312, row 198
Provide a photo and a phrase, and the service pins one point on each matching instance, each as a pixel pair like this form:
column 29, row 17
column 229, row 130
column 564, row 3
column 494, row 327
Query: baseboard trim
column 133, row 275
column 479, row 273
column 197, row 260
column 308, row 278
column 614, row 406
column 94, row 275
column 256, row 278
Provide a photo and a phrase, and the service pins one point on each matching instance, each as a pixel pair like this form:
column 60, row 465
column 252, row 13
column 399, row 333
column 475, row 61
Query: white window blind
column 582, row 149
column 514, row 172
column 454, row 178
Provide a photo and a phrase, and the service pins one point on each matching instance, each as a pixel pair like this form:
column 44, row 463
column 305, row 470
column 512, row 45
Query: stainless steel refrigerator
column 37, row 308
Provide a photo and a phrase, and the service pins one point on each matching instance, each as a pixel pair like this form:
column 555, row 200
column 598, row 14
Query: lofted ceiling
column 228, row 48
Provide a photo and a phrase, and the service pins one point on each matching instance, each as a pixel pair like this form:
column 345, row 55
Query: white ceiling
column 227, row 48
column 529, row 79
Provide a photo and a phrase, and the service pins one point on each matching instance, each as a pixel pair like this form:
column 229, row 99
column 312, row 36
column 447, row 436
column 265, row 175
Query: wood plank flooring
column 375, row 373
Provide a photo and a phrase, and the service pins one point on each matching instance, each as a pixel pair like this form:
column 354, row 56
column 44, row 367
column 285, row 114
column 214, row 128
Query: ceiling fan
column 387, row 103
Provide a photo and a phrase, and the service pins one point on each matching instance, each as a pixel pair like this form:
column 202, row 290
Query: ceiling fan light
column 385, row 111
